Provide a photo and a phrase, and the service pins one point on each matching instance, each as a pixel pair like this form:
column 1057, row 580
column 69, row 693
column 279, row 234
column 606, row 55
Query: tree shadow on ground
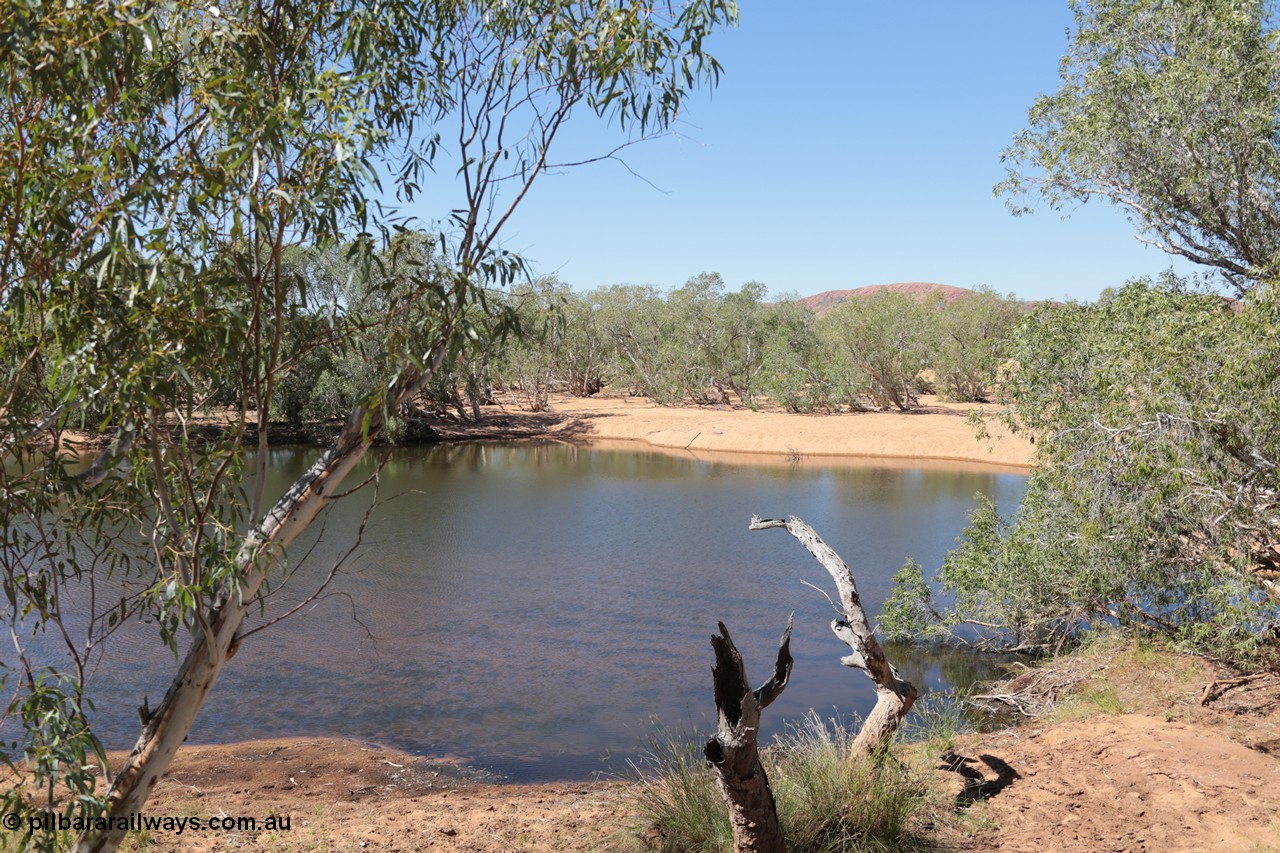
column 978, row 785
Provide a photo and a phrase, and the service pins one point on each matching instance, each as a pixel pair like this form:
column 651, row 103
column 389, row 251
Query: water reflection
column 530, row 607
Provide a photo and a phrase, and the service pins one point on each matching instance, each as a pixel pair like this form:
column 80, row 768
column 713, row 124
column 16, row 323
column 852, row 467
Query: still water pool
column 531, row 608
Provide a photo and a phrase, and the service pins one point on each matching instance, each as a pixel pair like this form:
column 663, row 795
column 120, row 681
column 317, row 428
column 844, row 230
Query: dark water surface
column 530, row 608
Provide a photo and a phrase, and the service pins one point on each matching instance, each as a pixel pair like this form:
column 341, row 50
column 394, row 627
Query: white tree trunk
column 894, row 696
column 167, row 726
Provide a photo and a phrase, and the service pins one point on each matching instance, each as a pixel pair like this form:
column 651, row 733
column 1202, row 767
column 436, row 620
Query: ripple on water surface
column 531, row 607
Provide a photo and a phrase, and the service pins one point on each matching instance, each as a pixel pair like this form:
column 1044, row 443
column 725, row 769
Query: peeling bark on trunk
column 734, row 752
column 214, row 642
column 894, row 696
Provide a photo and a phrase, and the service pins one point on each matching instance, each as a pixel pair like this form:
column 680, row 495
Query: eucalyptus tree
column 794, row 364
column 1153, row 410
column 159, row 160
column 532, row 367
column 744, row 317
column 972, row 342
column 634, row 317
column 1155, row 504
column 697, row 344
column 564, row 344
column 1171, row 110
column 333, row 345
column 878, row 347
column 694, row 348
column 587, row 360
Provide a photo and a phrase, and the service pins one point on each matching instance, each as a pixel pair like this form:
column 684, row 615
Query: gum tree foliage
column 972, row 342
column 632, row 318
column 878, row 346
column 670, row 347
column 566, row 341
column 711, row 346
column 533, row 366
column 333, row 344
column 327, row 348
column 794, row 362
column 1169, row 109
column 564, row 347
column 160, row 160
column 588, row 365
column 745, row 318
column 1155, row 501
column 695, row 344
column 704, row 344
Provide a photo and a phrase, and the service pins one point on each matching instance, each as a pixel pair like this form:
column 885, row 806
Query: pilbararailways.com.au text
column 49, row 822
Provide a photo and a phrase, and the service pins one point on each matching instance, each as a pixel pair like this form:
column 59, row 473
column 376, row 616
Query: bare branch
column 894, row 696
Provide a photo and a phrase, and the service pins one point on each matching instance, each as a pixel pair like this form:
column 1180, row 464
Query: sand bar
column 936, row 431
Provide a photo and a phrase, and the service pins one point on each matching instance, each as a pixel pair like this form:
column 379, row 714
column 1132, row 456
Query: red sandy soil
column 933, row 432
column 936, row 431
column 340, row 795
column 1167, row 774
column 1129, row 783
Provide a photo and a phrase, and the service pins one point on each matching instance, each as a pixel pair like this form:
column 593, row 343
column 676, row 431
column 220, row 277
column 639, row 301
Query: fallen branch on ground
column 1216, row 688
column 1031, row 694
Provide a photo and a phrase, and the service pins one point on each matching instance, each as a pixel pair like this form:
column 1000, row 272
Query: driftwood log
column 894, row 695
column 734, row 753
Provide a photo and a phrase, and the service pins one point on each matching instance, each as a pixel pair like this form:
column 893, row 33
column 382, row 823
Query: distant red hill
column 821, row 303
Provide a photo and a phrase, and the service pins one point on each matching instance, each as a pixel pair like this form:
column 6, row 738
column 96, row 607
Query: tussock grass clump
column 677, row 798
column 826, row 803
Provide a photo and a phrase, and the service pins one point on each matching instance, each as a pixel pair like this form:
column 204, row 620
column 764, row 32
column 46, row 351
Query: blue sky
column 849, row 143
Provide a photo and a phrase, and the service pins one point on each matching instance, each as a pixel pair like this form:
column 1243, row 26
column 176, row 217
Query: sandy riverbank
column 935, row 432
column 936, row 435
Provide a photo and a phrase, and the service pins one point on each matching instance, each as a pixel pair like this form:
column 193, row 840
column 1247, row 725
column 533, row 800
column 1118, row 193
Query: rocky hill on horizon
column 821, row 303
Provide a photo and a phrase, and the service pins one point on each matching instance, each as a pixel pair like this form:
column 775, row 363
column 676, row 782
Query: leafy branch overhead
column 1168, row 109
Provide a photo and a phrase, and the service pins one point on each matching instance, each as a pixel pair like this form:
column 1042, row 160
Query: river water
column 533, row 608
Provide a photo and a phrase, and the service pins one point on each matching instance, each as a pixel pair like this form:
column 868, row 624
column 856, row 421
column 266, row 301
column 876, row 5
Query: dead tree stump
column 734, row 752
